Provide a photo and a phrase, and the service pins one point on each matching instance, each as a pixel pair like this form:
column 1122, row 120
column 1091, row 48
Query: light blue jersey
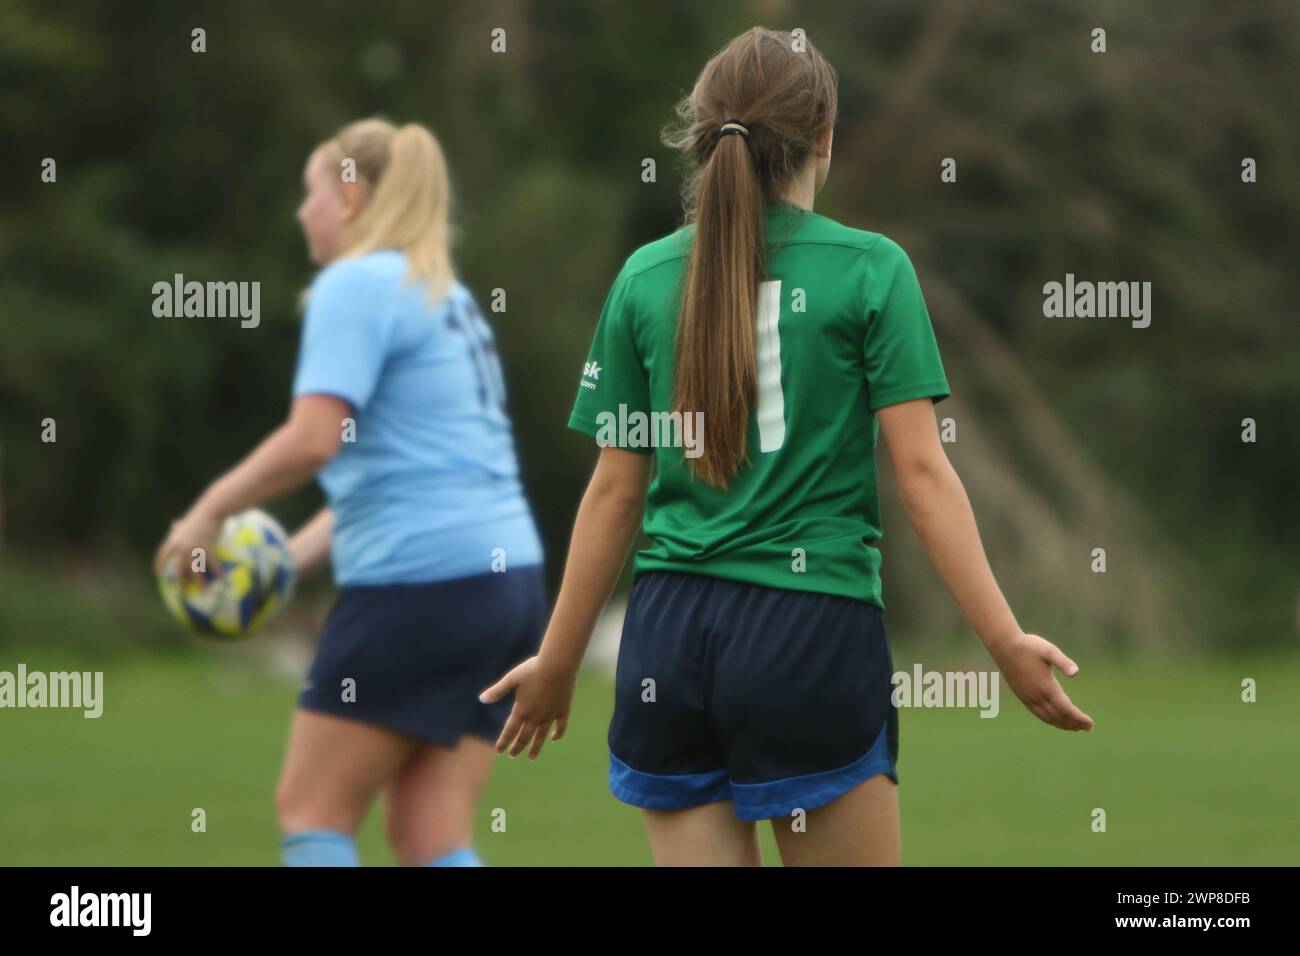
column 429, row 489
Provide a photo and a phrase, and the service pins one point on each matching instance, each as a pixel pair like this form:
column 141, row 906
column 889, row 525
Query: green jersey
column 842, row 330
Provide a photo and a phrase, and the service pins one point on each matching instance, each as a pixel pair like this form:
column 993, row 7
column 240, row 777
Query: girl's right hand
column 543, row 696
column 194, row 533
column 1026, row 663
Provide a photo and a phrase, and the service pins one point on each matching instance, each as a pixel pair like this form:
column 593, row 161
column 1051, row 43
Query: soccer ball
column 250, row 578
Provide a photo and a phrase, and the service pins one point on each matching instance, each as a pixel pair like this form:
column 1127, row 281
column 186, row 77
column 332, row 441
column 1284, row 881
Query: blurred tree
column 1123, row 165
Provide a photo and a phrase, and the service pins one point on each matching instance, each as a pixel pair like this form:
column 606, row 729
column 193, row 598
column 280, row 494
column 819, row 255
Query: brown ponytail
column 783, row 92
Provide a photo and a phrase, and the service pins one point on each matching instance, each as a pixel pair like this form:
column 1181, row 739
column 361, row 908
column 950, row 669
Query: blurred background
column 1071, row 434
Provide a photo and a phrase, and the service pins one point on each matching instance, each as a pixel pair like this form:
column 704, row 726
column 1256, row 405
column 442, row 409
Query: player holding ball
column 399, row 409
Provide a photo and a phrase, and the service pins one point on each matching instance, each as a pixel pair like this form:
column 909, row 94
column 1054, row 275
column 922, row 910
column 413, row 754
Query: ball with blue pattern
column 250, row 579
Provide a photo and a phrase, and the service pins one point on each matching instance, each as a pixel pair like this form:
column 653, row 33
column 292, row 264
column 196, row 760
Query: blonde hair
column 403, row 175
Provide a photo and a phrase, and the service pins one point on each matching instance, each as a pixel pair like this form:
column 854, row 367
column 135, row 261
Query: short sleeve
column 900, row 351
column 614, row 380
column 345, row 334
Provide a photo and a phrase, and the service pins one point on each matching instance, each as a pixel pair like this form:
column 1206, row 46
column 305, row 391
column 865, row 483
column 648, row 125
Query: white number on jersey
column 771, row 400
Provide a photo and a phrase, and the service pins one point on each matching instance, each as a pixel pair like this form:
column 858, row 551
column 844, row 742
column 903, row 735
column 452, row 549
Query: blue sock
column 319, row 848
column 465, row 856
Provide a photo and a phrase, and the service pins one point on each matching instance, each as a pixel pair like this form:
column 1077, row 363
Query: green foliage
column 1123, row 165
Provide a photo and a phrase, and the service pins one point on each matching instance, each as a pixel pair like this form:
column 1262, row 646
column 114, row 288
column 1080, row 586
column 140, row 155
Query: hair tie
column 733, row 126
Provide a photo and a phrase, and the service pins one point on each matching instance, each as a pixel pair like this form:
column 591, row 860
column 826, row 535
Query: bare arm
column 937, row 505
column 935, row 501
column 603, row 532
column 285, row 460
column 310, row 546
column 607, row 523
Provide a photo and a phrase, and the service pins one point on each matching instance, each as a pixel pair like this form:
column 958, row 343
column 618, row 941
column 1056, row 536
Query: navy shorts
column 420, row 654
column 773, row 699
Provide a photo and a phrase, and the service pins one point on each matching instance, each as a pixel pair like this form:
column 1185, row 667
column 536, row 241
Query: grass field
column 1186, row 773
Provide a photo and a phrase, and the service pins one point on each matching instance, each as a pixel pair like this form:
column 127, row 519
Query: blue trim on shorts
column 753, row 801
column 781, row 699
column 780, row 798
column 653, row 791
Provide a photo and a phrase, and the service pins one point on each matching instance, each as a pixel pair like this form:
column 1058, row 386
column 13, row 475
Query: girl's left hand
column 194, row 530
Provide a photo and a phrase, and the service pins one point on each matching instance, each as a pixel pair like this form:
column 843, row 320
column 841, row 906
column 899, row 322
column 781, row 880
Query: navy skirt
column 413, row 658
